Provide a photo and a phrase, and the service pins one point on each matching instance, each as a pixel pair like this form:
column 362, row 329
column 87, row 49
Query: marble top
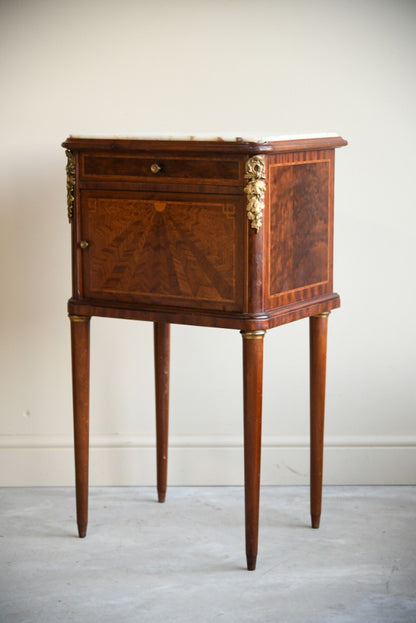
column 199, row 137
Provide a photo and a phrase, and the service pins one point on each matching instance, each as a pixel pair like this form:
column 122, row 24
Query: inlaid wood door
column 162, row 249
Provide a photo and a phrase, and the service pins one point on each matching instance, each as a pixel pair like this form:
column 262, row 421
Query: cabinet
column 221, row 233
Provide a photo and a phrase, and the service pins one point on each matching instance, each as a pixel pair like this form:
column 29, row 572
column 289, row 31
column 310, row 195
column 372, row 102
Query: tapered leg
column 318, row 326
column 80, row 344
column 253, row 394
column 162, row 356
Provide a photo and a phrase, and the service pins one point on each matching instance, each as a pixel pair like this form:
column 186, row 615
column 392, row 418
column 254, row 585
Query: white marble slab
column 197, row 137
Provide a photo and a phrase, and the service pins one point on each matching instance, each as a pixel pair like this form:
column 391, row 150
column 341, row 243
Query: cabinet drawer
column 219, row 171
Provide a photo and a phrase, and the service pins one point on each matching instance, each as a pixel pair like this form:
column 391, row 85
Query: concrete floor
column 184, row 560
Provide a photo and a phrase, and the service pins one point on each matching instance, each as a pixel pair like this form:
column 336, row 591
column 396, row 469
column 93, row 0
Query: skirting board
column 130, row 461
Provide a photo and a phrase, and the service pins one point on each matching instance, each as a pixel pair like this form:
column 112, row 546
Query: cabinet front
column 157, row 249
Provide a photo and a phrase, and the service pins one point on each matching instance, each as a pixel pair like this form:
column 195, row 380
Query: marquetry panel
column 300, row 229
column 163, row 251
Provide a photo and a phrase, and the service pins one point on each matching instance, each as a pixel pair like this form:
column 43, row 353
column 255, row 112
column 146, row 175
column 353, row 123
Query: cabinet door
column 156, row 249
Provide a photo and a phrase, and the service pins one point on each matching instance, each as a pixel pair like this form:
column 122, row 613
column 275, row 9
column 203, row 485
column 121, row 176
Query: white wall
column 178, row 66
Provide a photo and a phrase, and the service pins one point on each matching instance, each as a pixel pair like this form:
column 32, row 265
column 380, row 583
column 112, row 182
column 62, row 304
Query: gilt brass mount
column 76, row 318
column 255, row 189
column 70, row 183
column 253, row 335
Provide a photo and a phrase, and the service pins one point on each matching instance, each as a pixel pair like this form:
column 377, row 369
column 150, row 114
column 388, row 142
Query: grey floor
column 184, row 560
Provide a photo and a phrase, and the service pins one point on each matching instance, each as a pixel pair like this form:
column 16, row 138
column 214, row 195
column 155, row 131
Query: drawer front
column 165, row 252
column 222, row 171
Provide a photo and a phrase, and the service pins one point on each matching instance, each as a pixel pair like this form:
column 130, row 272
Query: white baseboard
column 207, row 460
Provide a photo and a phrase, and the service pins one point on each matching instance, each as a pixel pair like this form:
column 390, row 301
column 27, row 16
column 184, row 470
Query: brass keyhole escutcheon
column 84, row 244
column 155, row 168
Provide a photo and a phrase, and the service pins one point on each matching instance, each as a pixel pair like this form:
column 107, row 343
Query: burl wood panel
column 300, row 246
column 163, row 250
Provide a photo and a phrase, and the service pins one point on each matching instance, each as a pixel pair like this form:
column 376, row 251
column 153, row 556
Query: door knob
column 155, row 168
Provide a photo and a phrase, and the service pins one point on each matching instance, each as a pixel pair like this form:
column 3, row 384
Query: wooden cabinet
column 235, row 234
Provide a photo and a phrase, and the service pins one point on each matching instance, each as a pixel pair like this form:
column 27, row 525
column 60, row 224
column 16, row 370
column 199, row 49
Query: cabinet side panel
column 300, row 250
